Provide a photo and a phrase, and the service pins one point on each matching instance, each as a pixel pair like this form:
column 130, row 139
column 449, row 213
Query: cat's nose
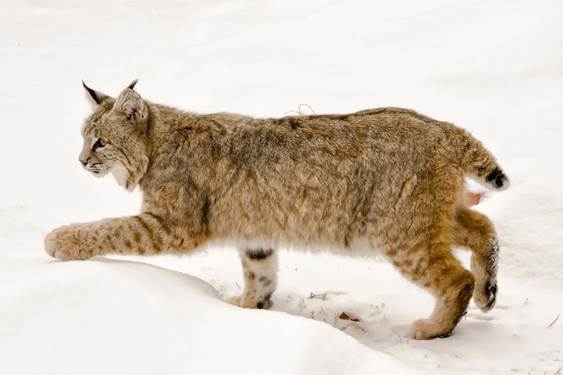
column 83, row 161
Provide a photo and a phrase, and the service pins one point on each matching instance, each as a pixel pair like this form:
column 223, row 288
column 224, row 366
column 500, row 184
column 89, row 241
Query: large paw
column 485, row 296
column 67, row 243
column 250, row 303
column 425, row 329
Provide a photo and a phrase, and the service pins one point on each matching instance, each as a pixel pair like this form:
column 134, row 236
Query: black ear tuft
column 132, row 84
column 97, row 96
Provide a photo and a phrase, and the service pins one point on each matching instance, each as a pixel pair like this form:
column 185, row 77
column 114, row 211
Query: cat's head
column 115, row 136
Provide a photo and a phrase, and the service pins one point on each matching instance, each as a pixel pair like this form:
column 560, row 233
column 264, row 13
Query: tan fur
column 384, row 179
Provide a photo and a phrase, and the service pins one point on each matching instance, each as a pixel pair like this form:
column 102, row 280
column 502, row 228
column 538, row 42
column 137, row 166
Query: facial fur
column 115, row 137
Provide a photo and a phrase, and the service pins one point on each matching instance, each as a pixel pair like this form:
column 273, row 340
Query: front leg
column 260, row 268
column 141, row 234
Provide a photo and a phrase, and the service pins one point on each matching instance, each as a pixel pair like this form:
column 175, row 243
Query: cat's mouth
column 97, row 169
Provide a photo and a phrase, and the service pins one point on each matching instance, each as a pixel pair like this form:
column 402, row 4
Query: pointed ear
column 132, row 84
column 97, row 96
column 131, row 104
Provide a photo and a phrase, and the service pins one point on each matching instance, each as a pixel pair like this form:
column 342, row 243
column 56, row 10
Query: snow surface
column 494, row 67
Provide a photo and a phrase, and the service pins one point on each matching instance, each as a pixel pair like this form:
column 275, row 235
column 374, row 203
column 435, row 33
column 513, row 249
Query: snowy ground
column 494, row 67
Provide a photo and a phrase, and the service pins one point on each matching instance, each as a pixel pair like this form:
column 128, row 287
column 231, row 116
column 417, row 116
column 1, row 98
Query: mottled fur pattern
column 381, row 180
column 260, row 268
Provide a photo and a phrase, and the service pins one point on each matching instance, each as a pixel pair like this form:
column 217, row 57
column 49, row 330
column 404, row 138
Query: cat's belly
column 360, row 246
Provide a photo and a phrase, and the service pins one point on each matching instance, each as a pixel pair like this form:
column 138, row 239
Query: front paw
column 249, row 302
column 67, row 243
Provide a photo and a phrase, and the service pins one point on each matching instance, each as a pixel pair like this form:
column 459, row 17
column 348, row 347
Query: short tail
column 477, row 162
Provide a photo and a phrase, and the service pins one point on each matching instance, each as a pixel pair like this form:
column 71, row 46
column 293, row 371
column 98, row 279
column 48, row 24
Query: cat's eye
column 100, row 143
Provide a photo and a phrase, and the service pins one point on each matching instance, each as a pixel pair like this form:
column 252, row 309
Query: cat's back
column 371, row 117
column 373, row 135
column 381, row 124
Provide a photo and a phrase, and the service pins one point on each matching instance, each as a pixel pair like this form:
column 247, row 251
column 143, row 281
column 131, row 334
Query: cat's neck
column 164, row 126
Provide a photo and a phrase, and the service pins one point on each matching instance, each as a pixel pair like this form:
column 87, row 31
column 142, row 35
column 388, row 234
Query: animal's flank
column 205, row 214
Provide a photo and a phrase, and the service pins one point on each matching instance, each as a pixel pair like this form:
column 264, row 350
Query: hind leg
column 474, row 231
column 433, row 267
column 260, row 268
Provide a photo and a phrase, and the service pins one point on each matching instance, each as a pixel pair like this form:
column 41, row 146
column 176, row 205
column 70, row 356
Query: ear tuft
column 132, row 84
column 97, row 96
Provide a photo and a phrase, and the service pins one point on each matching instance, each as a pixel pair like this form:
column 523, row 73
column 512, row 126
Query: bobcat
column 386, row 180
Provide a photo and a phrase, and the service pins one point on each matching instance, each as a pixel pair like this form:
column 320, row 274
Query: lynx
column 380, row 181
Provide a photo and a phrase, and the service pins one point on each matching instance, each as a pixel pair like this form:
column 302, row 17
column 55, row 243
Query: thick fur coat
column 386, row 180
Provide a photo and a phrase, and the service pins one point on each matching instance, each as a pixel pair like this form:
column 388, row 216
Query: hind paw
column 425, row 329
column 486, row 297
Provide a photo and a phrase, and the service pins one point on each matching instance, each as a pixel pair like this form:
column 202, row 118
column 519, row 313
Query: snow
column 494, row 67
column 109, row 316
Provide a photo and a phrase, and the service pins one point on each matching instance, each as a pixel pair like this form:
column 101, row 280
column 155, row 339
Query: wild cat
column 384, row 180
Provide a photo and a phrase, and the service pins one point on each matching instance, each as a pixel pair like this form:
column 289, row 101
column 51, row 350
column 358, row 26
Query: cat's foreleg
column 260, row 271
column 133, row 235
